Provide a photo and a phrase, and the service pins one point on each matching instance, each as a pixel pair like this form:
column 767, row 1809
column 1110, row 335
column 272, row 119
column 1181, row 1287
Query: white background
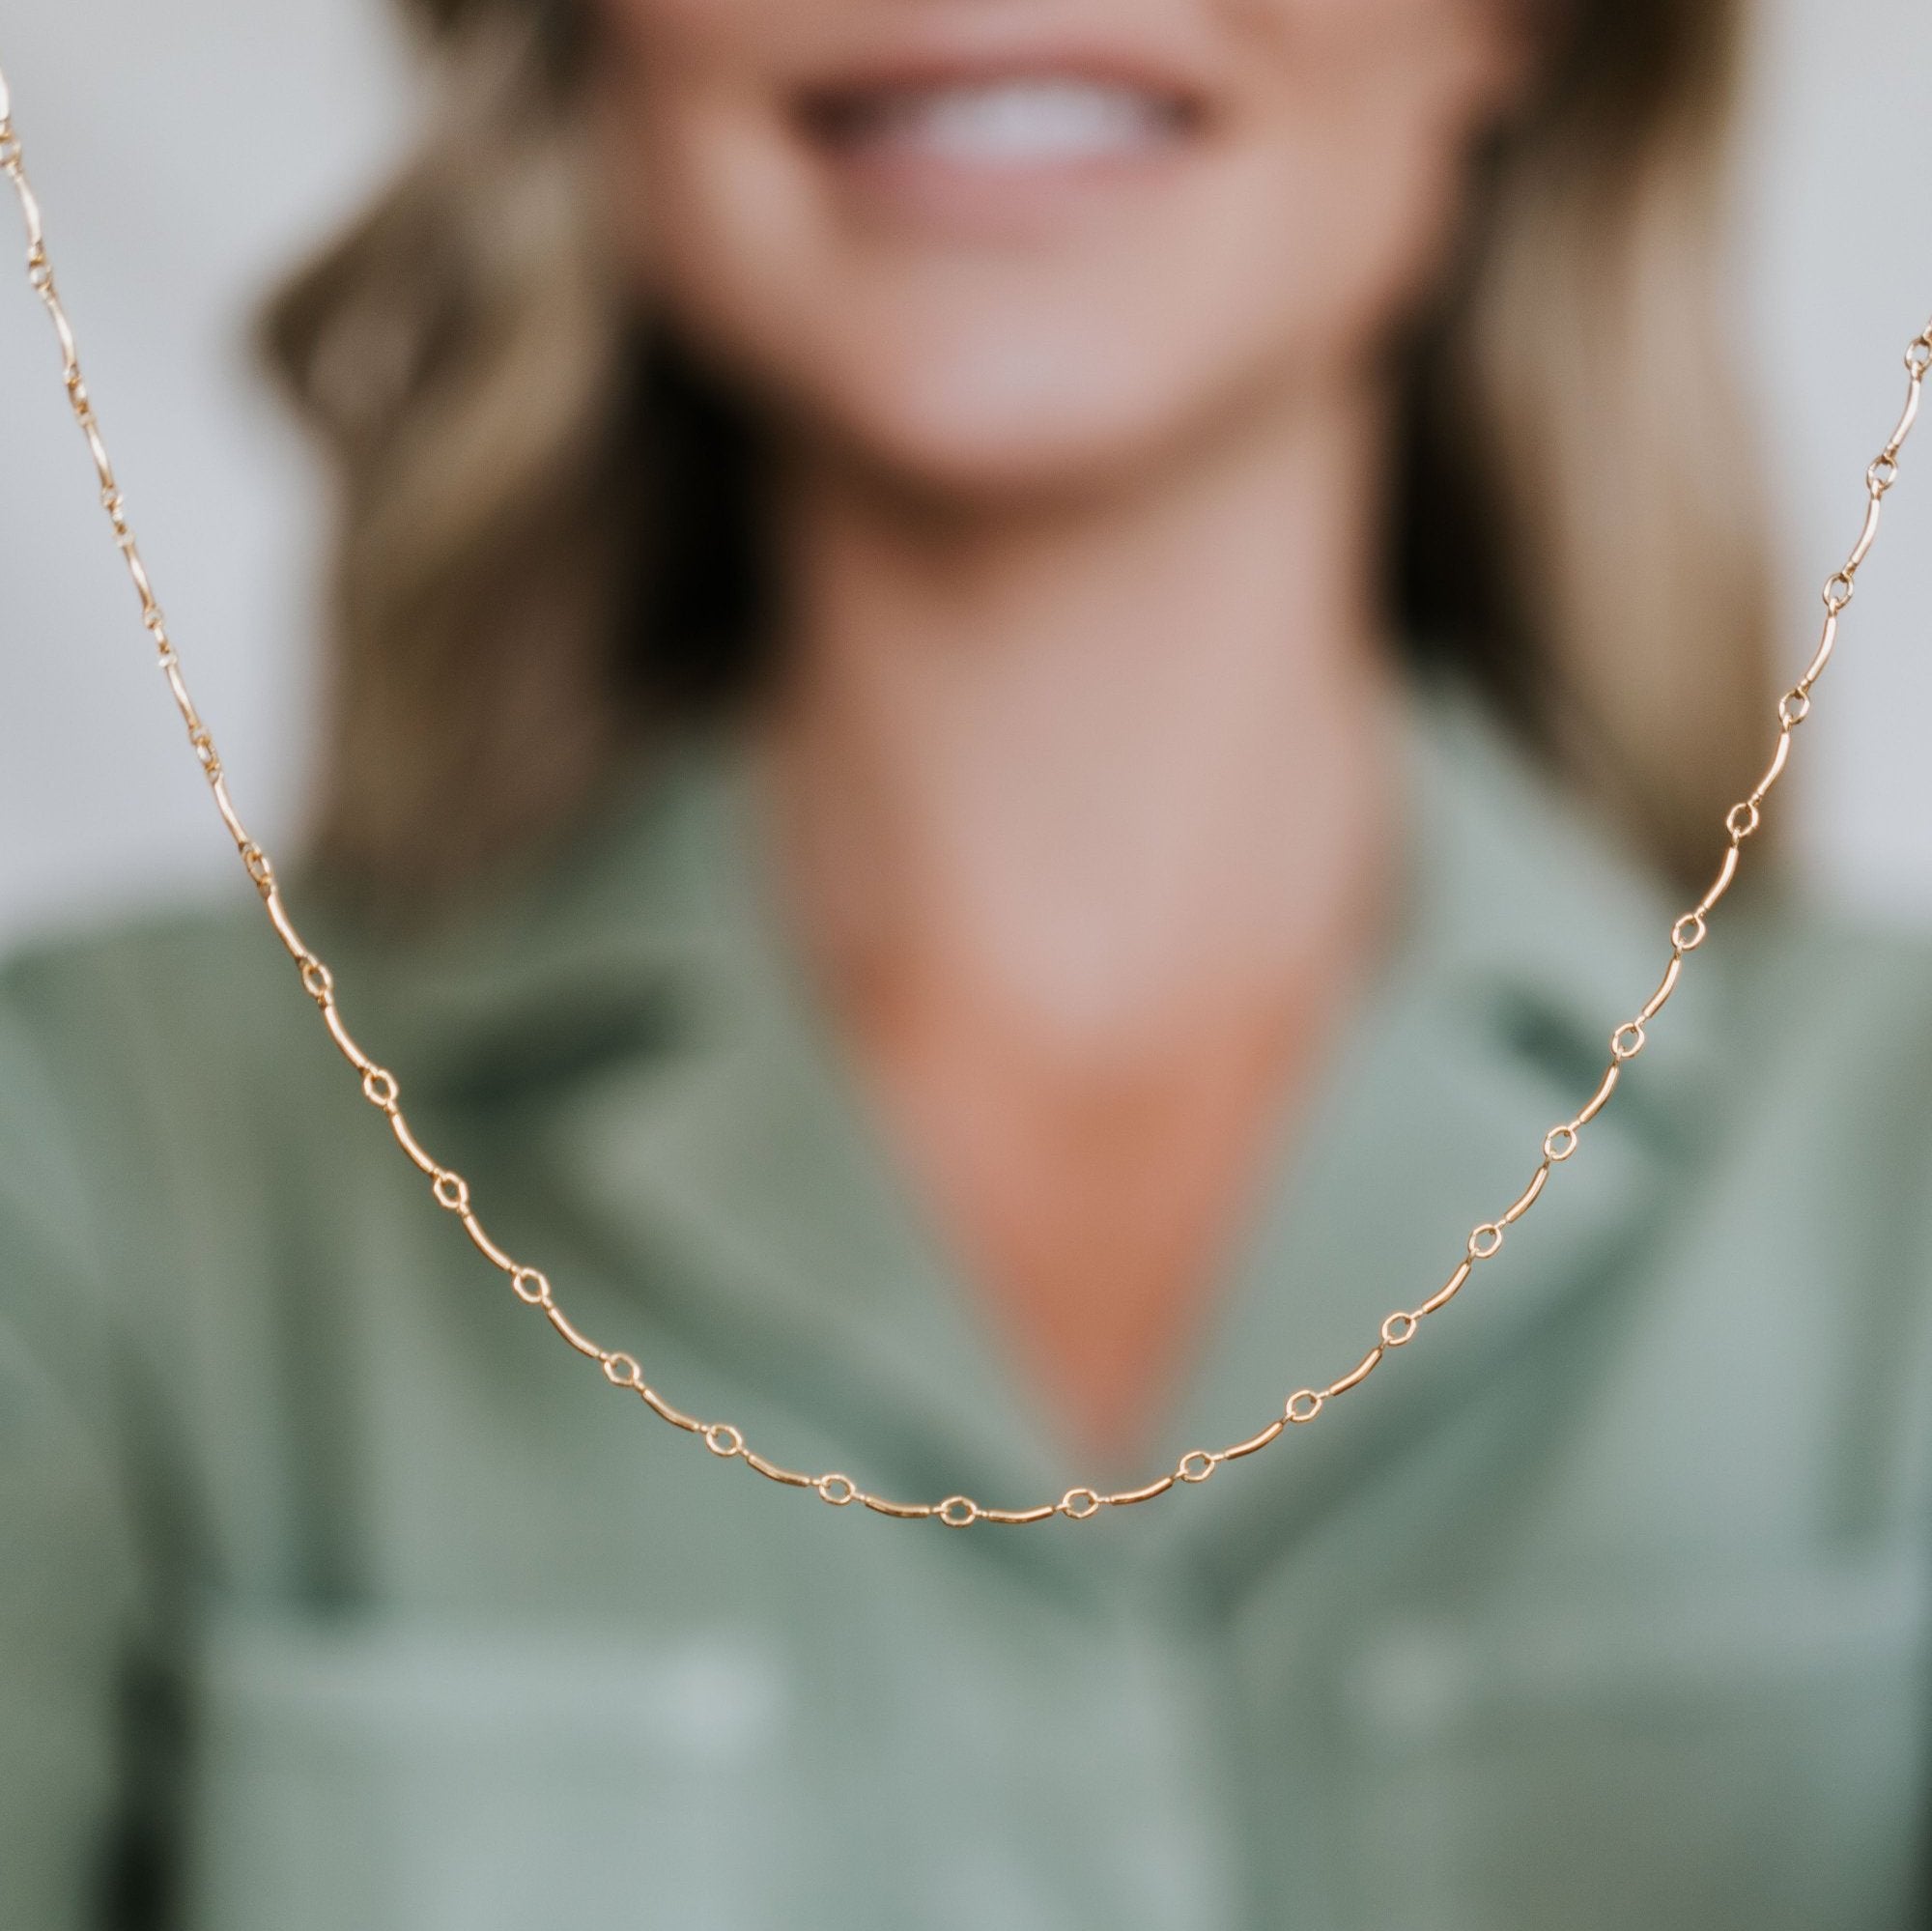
column 187, row 149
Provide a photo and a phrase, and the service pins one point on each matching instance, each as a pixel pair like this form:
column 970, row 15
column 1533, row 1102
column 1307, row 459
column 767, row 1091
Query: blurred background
column 187, row 151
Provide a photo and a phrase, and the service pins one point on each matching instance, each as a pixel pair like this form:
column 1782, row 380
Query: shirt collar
column 656, row 926
column 638, row 1019
column 1532, row 907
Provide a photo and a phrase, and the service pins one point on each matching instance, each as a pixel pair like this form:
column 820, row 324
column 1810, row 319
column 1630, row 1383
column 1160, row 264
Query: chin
column 976, row 464
column 999, row 427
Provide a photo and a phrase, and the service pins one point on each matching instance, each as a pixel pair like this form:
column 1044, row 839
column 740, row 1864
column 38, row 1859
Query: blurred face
column 989, row 244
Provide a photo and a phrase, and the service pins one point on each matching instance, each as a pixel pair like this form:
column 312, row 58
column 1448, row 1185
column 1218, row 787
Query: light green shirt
column 328, row 1578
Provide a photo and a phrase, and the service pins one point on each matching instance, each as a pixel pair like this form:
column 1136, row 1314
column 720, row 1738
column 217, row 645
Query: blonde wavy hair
column 549, row 548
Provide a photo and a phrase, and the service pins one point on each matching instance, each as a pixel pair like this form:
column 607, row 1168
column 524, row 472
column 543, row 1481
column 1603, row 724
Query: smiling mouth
column 1001, row 125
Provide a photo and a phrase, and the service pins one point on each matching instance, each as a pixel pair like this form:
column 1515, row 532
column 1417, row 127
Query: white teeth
column 1027, row 123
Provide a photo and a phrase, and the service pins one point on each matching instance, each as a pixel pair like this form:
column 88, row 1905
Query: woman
column 1018, row 686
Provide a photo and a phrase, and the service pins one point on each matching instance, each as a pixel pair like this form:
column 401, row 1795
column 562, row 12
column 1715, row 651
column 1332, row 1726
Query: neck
column 1095, row 756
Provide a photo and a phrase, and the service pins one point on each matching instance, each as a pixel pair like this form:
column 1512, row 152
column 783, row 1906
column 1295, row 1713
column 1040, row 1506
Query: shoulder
column 1836, row 1010
column 110, row 1017
column 1817, row 1172
column 167, row 1050
column 137, row 1063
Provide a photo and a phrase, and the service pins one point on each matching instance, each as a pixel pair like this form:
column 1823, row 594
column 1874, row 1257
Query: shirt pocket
column 392, row 1779
column 1739, row 1759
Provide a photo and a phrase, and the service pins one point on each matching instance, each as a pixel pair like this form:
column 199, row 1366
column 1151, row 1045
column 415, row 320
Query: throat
column 1093, row 1202
column 1084, row 1040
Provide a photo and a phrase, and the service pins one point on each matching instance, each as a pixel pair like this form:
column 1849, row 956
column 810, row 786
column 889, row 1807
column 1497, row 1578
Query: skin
column 1081, row 781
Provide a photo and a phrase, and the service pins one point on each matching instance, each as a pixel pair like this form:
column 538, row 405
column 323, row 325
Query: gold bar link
column 1130, row 1498
column 691, row 1425
column 1441, row 1298
column 345, row 1040
column 487, row 1247
column 787, row 1478
column 1599, row 1099
column 584, row 1345
column 1910, row 416
column 1255, row 1443
column 1726, row 871
column 1775, row 770
column 1526, row 1200
column 285, row 930
column 1665, row 987
column 1861, row 550
column 901, row 1512
column 406, row 1140
column 1362, row 1370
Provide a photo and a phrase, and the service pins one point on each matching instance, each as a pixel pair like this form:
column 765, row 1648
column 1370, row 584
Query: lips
column 1001, row 124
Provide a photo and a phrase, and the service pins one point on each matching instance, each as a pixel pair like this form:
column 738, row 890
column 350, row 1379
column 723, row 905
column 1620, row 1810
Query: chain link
column 451, row 1191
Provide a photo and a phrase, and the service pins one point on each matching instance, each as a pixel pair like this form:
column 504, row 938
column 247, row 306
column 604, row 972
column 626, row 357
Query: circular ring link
column 1398, row 1330
column 958, row 1512
column 451, row 1191
column 1196, row 1466
column 841, row 1491
column 1559, row 1143
column 1486, row 1242
column 622, row 1371
column 380, row 1088
column 1079, row 1505
column 530, row 1285
column 1304, row 1405
column 724, row 1440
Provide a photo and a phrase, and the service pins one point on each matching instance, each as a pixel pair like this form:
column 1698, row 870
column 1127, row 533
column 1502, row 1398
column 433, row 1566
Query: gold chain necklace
column 452, row 1192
